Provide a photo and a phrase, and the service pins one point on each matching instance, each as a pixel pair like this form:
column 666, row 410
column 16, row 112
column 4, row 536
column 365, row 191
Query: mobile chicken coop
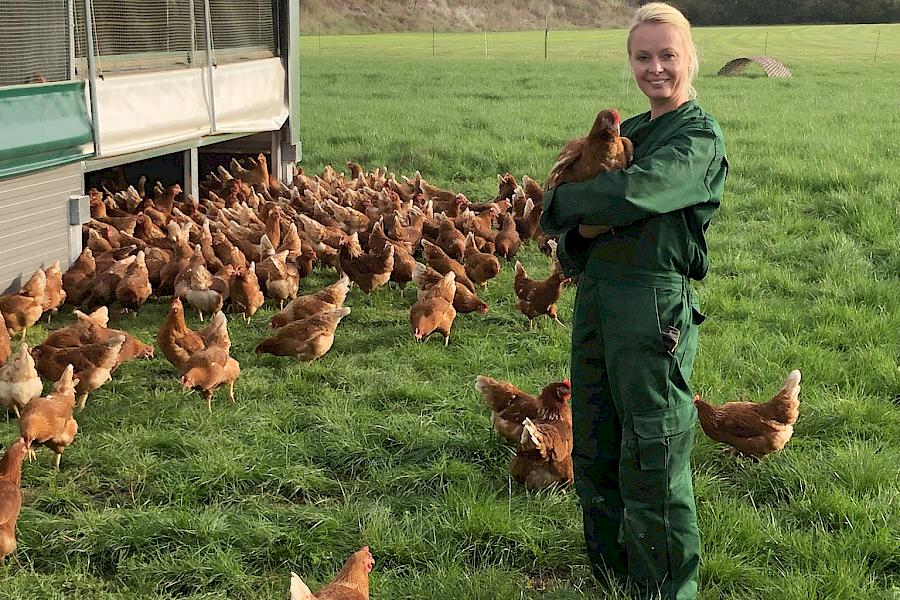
column 87, row 85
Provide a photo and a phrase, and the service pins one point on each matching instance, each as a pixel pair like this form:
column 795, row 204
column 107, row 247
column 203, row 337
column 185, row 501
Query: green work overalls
column 634, row 338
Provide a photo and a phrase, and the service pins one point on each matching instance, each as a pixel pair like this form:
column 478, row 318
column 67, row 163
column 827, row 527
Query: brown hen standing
column 93, row 363
column 47, row 420
column 754, row 429
column 10, row 496
column 351, row 583
column 301, row 307
column 538, row 297
column 306, row 339
column 433, row 311
column 22, row 310
column 464, row 301
column 5, row 342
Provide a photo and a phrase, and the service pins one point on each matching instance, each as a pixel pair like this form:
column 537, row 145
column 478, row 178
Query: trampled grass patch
column 385, row 442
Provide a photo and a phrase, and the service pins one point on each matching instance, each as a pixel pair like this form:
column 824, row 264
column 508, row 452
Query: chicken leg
column 231, row 392
column 208, row 395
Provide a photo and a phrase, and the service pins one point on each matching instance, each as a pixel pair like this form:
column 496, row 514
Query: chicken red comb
column 567, row 383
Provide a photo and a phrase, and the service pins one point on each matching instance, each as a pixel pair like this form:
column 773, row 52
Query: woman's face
column 660, row 63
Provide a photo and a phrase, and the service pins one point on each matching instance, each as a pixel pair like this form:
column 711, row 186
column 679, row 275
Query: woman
column 636, row 317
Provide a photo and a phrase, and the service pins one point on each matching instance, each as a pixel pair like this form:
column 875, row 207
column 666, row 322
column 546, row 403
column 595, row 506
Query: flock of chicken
column 249, row 236
column 246, row 238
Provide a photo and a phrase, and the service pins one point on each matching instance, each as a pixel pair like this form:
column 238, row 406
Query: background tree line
column 768, row 12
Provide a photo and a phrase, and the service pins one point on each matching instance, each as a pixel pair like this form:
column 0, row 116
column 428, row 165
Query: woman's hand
column 589, row 232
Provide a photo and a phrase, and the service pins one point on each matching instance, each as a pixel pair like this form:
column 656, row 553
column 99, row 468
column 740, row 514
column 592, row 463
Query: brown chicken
column 284, row 279
column 5, row 342
column 178, row 342
column 438, row 260
column 433, row 311
column 538, row 297
column 201, row 294
column 10, row 496
column 481, row 267
column 22, row 310
column 104, row 283
column 449, row 238
column 368, row 271
column 603, row 149
column 754, row 429
column 209, row 369
column 134, row 289
column 544, row 452
column 77, row 276
column 54, row 294
column 93, row 363
column 510, row 406
column 47, row 420
column 302, row 307
column 404, row 263
column 465, row 301
column 91, row 329
column 19, row 381
column 246, row 297
column 306, row 339
column 507, row 241
column 351, row 583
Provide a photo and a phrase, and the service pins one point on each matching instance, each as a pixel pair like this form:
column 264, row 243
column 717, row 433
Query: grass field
column 385, row 442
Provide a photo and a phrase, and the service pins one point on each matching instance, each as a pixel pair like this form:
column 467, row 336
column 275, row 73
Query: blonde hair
column 660, row 12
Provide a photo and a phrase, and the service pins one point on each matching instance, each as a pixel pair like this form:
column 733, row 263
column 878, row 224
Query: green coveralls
column 634, row 338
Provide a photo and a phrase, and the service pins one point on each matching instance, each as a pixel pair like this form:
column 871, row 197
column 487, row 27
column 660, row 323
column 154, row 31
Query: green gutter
column 42, row 126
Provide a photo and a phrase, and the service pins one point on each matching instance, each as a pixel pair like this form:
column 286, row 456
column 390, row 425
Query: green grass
column 385, row 442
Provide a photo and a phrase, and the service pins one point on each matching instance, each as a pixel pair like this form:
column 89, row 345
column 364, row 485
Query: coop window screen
column 34, row 41
column 240, row 30
column 153, row 35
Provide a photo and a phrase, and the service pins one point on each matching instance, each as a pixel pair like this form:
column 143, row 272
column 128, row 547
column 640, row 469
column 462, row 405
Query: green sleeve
column 572, row 251
column 672, row 178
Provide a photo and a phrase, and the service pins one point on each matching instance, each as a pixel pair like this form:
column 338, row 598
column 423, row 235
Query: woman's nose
column 655, row 66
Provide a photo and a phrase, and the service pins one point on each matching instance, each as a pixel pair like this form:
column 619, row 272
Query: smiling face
column 661, row 64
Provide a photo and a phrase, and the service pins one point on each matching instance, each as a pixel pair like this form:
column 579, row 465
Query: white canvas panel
column 250, row 96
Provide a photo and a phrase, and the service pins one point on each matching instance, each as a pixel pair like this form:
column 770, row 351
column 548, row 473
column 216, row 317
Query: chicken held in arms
column 601, row 150
column 750, row 428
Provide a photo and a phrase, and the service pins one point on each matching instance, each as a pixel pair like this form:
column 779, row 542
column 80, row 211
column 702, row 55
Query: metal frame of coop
column 157, row 78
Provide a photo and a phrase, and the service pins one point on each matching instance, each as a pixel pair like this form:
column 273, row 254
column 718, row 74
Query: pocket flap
column 662, row 423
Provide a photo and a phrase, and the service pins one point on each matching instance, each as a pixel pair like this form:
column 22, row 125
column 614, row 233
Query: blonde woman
column 636, row 318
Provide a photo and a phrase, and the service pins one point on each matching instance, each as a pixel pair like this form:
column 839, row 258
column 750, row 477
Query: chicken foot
column 82, row 402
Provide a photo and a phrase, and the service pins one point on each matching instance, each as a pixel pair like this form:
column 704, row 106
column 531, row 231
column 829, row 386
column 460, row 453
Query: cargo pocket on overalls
column 654, row 431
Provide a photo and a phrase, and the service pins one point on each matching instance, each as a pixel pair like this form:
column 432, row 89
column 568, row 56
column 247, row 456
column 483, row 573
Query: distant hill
column 359, row 16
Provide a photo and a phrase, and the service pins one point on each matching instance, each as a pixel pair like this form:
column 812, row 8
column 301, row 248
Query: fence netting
column 42, row 41
column 34, row 41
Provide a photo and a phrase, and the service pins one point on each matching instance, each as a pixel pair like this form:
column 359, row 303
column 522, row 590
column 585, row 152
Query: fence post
column 432, row 41
column 546, row 33
column 485, row 45
column 92, row 73
column 766, row 45
column 209, row 65
column 877, row 39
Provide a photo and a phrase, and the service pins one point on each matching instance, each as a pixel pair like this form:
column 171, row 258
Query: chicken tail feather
column 299, row 590
column 792, row 384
